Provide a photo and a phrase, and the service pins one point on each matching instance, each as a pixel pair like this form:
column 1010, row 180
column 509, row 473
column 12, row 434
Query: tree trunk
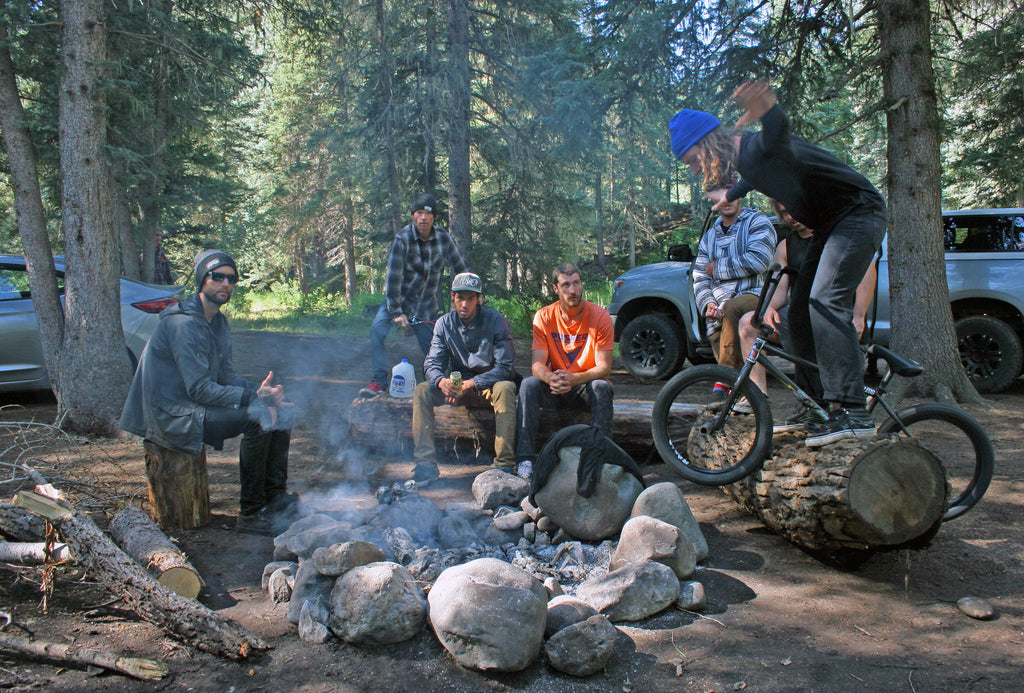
column 28, row 206
column 94, row 376
column 144, row 669
column 599, row 222
column 459, row 206
column 922, row 322
column 349, row 241
column 179, row 489
column 133, row 530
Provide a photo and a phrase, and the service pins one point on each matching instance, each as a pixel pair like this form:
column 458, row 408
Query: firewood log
column 19, row 524
column 179, row 491
column 189, row 620
column 32, row 552
column 134, row 531
column 144, row 669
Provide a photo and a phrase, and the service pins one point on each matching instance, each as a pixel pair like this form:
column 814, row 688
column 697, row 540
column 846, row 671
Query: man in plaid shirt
column 418, row 256
column 731, row 261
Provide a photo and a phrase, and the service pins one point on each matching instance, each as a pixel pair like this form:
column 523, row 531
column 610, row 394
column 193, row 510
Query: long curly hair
column 718, row 158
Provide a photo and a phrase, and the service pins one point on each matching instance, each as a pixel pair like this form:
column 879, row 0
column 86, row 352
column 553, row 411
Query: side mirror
column 680, row 253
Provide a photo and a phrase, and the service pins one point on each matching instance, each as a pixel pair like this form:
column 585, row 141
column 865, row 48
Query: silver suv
column 657, row 324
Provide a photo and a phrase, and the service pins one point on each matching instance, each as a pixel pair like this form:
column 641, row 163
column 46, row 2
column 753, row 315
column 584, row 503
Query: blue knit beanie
column 688, row 127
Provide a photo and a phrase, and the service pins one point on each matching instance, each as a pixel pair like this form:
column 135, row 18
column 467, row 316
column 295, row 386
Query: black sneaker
column 255, row 523
column 846, row 423
column 803, row 419
column 423, row 474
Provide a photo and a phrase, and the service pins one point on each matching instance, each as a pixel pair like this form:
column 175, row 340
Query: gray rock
column 309, row 585
column 645, row 538
column 374, row 535
column 666, row 502
column 467, row 509
column 338, row 559
column 554, row 588
column 400, row 544
column 633, row 592
column 377, row 604
column 456, row 531
column 976, row 607
column 546, row 524
column 692, row 596
column 495, row 487
column 490, row 535
column 313, row 623
column 279, row 585
column 530, row 532
column 594, row 518
column 269, row 569
column 489, row 614
column 512, row 521
column 565, row 610
column 418, row 515
column 304, row 543
column 583, row 648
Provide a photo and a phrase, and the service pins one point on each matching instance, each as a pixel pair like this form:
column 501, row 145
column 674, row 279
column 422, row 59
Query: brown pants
column 502, row 397
column 726, row 341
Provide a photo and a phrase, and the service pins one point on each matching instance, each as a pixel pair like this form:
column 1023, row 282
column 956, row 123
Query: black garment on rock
column 596, row 449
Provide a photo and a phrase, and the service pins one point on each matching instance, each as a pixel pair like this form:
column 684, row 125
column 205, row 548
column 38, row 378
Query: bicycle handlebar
column 775, row 274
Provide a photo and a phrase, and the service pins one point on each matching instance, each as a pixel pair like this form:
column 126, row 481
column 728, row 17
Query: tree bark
column 21, row 525
column 33, row 553
column 922, row 321
column 189, row 620
column 179, row 489
column 133, row 530
column 94, row 376
column 459, row 205
column 28, row 207
column 144, row 669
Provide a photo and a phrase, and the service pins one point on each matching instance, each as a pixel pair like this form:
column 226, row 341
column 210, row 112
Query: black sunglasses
column 219, row 277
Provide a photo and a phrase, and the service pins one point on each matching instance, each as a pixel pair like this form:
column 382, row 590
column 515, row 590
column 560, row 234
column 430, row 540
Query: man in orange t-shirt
column 572, row 359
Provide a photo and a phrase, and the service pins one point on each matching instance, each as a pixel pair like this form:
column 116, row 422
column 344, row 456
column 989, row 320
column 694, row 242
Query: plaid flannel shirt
column 415, row 267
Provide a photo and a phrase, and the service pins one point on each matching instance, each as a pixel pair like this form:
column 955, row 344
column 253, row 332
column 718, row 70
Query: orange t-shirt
column 573, row 347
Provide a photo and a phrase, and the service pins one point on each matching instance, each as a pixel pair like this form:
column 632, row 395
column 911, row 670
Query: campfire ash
column 343, row 561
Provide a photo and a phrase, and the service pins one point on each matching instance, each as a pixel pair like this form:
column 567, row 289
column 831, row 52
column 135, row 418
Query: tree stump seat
column 179, row 489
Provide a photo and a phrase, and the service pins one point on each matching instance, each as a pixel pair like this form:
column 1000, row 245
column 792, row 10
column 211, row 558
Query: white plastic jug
column 403, row 380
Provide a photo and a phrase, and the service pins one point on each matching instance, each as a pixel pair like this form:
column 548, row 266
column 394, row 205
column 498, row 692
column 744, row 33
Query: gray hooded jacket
column 185, row 368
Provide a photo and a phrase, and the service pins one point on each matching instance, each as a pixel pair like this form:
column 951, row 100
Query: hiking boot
column 845, row 423
column 525, row 470
column 255, row 523
column 372, row 390
column 805, row 419
column 423, row 474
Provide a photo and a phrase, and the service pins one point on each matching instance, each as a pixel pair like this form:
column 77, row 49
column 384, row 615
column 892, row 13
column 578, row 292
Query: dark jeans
column 262, row 453
column 534, row 393
column 820, row 318
column 382, row 324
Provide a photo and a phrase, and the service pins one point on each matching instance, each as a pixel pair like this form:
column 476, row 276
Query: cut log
column 134, row 531
column 179, row 491
column 189, row 620
column 33, row 553
column 852, row 496
column 19, row 524
column 144, row 669
column 380, row 423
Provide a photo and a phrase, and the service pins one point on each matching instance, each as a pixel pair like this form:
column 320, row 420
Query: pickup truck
column 657, row 324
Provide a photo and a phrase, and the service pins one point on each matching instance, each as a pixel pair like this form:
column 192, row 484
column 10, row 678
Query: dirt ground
column 777, row 619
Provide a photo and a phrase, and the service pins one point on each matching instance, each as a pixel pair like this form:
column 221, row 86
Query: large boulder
column 377, row 604
column 338, row 559
column 489, row 614
column 633, row 592
column 583, row 648
column 594, row 518
column 495, row 488
column 645, row 538
column 666, row 502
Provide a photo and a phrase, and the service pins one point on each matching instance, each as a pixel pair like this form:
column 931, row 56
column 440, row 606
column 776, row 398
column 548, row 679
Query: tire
column 651, row 346
column 710, row 458
column 990, row 352
column 962, row 445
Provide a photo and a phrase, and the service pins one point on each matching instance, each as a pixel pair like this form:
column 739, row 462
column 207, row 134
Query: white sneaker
column 525, row 470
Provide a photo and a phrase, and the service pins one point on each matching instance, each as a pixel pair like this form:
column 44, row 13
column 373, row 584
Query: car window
column 14, row 283
column 984, row 233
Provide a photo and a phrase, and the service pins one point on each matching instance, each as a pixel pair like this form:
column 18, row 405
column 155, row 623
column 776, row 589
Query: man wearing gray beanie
column 418, row 256
column 186, row 393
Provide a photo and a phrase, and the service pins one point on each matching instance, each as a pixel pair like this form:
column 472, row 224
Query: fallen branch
column 188, row 619
column 33, row 553
column 21, row 525
column 145, row 669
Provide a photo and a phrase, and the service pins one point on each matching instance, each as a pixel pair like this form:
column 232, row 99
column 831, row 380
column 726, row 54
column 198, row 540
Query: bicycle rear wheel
column 960, row 442
column 684, row 413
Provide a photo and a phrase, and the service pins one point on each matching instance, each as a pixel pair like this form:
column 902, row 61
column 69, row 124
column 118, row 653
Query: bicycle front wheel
column 683, row 427
column 960, row 442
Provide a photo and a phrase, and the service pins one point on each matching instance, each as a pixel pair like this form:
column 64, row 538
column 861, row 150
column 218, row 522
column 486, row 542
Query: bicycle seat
column 899, row 365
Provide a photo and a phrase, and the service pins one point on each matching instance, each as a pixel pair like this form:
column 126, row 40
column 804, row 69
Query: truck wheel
column 990, row 351
column 651, row 346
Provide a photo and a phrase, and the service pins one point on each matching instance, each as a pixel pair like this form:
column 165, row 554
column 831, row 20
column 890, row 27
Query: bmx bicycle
column 714, row 441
